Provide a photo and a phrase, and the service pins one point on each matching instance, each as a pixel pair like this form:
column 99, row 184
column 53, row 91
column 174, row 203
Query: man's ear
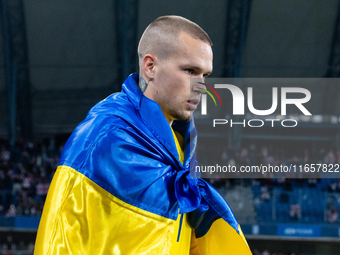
column 149, row 61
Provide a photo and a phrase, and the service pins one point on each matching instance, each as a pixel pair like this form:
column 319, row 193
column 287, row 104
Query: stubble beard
column 180, row 116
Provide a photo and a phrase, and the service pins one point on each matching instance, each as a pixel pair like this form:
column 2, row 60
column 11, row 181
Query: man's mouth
column 192, row 103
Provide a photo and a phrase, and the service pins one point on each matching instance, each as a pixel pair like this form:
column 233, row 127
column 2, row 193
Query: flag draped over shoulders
column 120, row 187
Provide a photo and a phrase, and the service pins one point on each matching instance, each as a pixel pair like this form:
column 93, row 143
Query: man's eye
column 189, row 71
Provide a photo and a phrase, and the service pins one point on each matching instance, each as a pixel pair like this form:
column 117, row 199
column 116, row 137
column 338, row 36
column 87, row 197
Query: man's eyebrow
column 196, row 68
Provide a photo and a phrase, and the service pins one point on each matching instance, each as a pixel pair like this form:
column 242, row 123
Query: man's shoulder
column 106, row 120
column 113, row 105
column 107, row 114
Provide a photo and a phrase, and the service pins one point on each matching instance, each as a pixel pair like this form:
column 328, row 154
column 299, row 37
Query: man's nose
column 199, row 78
column 200, row 87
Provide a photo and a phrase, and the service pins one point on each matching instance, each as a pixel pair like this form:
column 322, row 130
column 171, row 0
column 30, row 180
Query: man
column 123, row 184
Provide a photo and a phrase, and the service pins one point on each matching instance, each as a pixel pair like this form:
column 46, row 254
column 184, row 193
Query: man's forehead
column 195, row 46
column 194, row 53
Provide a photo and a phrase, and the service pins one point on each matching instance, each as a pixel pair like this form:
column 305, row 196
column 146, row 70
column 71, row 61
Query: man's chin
column 186, row 117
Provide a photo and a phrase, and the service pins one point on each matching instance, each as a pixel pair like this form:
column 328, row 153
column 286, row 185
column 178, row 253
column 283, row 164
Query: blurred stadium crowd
column 281, row 199
column 25, row 176
column 11, row 248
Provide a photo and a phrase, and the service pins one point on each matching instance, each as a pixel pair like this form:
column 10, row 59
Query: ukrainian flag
column 121, row 188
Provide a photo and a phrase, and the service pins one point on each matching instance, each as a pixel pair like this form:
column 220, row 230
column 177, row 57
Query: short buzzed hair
column 160, row 36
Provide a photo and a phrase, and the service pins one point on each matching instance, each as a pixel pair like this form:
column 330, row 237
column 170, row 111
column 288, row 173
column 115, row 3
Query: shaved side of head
column 161, row 36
